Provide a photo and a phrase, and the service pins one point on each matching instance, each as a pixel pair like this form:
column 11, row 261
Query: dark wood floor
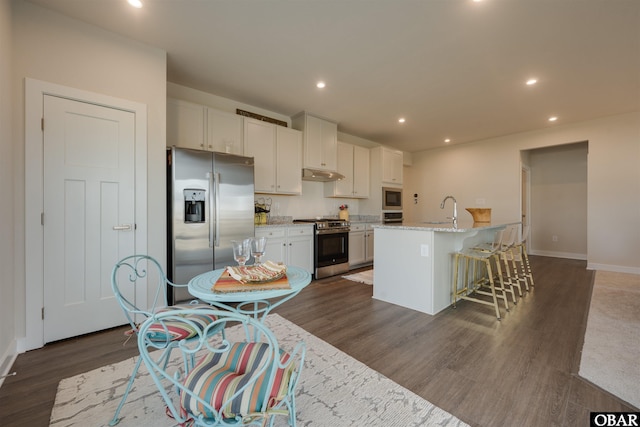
column 518, row 371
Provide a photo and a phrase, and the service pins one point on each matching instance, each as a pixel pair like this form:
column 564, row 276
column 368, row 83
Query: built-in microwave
column 391, row 199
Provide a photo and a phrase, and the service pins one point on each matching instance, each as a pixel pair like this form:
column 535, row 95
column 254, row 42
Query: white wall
column 7, row 293
column 490, row 170
column 56, row 49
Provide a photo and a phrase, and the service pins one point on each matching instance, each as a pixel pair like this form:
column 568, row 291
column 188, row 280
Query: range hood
column 320, row 175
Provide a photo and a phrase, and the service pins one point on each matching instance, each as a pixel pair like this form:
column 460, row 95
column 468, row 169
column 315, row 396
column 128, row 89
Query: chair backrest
column 129, row 273
column 525, row 233
column 510, row 234
column 498, row 236
column 244, row 375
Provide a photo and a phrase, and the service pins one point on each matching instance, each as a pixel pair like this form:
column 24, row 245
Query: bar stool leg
column 501, row 288
column 526, row 265
column 454, row 286
column 493, row 290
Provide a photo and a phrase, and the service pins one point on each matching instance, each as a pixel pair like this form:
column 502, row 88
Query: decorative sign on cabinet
column 353, row 163
column 277, row 153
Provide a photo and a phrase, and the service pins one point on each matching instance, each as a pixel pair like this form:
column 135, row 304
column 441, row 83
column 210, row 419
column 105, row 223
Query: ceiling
column 452, row 68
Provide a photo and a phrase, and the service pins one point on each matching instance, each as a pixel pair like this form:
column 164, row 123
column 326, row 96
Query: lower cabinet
column 360, row 245
column 368, row 244
column 356, row 245
column 290, row 245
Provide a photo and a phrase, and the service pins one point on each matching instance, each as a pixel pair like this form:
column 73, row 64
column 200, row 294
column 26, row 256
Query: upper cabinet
column 185, row 124
column 391, row 166
column 199, row 127
column 224, row 132
column 277, row 153
column 353, row 163
column 320, row 138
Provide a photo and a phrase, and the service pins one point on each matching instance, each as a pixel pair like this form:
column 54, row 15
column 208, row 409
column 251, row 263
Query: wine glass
column 258, row 245
column 241, row 250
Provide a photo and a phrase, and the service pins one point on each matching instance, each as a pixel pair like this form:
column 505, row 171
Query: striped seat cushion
column 219, row 375
column 178, row 330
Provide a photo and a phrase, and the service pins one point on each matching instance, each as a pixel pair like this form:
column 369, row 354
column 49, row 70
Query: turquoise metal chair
column 244, row 380
column 125, row 276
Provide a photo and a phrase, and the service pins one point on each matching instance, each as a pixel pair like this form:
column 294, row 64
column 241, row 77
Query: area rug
column 612, row 337
column 365, row 277
column 334, row 390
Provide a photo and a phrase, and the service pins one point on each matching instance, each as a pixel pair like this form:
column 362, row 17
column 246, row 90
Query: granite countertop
column 447, row 227
column 285, row 224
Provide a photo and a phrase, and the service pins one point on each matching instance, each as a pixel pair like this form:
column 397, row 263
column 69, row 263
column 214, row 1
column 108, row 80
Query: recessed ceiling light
column 321, row 85
column 447, row 140
column 531, row 82
column 135, row 3
column 401, row 120
column 553, row 118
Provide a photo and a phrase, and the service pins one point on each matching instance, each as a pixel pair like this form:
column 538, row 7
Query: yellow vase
column 344, row 214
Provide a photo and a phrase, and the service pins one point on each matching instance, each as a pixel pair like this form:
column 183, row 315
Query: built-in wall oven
column 331, row 246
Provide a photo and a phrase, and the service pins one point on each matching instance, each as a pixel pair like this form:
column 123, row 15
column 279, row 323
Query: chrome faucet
column 455, row 208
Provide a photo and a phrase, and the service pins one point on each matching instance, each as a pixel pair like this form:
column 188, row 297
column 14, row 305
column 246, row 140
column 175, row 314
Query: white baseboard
column 553, row 254
column 7, row 361
column 614, row 268
column 590, row 265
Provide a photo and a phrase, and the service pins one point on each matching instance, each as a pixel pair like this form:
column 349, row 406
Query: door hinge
column 42, row 123
column 42, row 313
column 42, row 218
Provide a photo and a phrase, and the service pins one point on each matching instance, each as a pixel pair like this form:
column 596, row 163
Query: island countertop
column 447, row 226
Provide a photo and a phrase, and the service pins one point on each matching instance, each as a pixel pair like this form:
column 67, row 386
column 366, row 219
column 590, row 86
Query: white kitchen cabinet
column 199, row 127
column 320, row 141
column 300, row 250
column 391, row 166
column 290, row 245
column 185, row 124
column 224, row 132
column 260, row 143
column 288, row 160
column 353, row 163
column 357, row 245
column 276, row 247
column 277, row 153
column 368, row 244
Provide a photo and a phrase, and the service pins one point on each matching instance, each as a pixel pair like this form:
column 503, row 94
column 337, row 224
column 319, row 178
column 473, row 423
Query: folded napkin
column 261, row 273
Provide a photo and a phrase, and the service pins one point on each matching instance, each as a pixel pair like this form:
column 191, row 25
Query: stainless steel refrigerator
column 209, row 203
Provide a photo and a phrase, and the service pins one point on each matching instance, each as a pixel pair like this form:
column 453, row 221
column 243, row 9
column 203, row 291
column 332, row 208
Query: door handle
column 122, row 227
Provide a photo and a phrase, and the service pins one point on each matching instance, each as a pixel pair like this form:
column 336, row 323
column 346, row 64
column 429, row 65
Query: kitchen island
column 413, row 261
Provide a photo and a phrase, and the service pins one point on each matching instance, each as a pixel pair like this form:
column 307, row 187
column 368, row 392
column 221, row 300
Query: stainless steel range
column 331, row 246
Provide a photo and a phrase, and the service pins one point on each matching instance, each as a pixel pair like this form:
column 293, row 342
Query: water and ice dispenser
column 194, row 205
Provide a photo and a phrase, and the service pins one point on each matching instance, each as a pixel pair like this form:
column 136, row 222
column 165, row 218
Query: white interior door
column 89, row 200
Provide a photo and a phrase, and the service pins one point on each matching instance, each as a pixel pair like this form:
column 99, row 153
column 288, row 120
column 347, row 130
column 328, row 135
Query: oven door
column 331, row 248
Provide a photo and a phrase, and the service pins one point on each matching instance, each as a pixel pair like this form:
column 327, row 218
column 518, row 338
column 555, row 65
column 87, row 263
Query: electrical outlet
column 554, row 238
column 480, row 202
column 424, row 250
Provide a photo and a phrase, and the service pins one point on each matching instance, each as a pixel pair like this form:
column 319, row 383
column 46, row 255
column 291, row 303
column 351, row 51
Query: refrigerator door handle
column 214, row 209
column 212, row 217
column 216, row 182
